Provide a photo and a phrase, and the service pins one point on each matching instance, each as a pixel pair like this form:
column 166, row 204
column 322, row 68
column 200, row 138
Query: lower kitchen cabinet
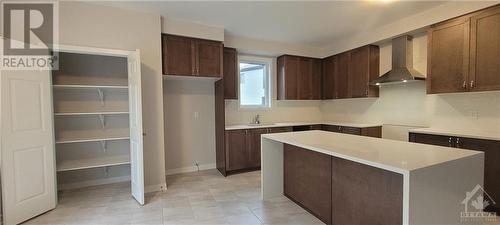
column 430, row 139
column 242, row 148
column 307, row 180
column 364, row 131
column 491, row 149
column 363, row 194
column 236, row 150
column 339, row 191
column 253, row 145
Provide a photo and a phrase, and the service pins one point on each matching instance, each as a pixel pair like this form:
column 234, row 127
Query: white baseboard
column 189, row 169
column 93, row 182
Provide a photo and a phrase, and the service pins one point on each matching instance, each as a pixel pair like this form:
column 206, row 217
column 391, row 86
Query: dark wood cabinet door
column 317, row 72
column 236, row 149
column 253, row 143
column 491, row 151
column 363, row 194
column 485, row 51
column 280, row 129
column 363, row 68
column 431, row 139
column 220, row 154
column 331, row 128
column 341, row 75
column 304, row 79
column 328, row 87
column 209, row 58
column 307, row 180
column 230, row 73
column 178, row 55
column 358, row 72
column 287, row 77
column 372, row 131
column 448, row 56
column 351, row 130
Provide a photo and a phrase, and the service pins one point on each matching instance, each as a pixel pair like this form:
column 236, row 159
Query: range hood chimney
column 402, row 64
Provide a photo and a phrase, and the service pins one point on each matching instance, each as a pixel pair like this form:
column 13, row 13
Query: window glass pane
column 253, row 84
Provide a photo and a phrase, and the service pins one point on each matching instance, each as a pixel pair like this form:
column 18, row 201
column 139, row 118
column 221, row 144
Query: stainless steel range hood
column 402, row 64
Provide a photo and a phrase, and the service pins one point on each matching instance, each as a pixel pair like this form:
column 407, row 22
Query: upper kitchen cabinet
column 230, row 66
column 178, row 54
column 185, row 56
column 341, row 75
column 464, row 53
column 328, row 80
column 485, row 50
column 287, row 77
column 363, row 68
column 448, row 56
column 348, row 74
column 299, row 78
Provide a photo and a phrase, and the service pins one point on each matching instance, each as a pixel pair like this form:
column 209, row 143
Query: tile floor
column 195, row 198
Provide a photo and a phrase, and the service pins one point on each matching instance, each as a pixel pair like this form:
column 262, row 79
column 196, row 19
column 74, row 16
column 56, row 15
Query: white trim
column 189, row 169
column 96, row 182
column 92, row 50
column 269, row 74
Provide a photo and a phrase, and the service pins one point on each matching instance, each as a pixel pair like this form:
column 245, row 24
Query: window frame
column 268, row 63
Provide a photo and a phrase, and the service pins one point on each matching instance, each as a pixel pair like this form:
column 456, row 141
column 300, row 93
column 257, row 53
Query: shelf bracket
column 101, row 95
column 104, row 146
column 106, row 171
column 103, row 120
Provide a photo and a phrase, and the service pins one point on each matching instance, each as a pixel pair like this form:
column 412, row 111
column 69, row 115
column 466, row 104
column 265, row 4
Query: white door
column 27, row 145
column 135, row 116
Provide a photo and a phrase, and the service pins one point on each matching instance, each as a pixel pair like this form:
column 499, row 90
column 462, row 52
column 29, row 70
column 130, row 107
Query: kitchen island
column 349, row 179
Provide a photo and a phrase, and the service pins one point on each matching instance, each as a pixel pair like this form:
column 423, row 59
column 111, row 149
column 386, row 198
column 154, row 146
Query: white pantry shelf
column 88, row 113
column 75, row 140
column 81, row 164
column 76, row 86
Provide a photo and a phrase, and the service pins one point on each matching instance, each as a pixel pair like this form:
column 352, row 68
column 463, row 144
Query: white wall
column 106, row 27
column 190, row 29
column 410, row 105
column 280, row 111
column 189, row 124
column 409, row 24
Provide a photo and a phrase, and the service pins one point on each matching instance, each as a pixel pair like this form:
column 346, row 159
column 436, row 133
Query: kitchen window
column 254, row 82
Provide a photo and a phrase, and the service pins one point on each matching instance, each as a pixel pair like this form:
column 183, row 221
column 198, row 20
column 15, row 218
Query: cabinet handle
column 366, row 92
column 464, row 85
column 472, row 84
column 450, row 142
column 457, row 142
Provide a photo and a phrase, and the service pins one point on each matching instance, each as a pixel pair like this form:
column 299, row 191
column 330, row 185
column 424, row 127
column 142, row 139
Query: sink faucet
column 256, row 119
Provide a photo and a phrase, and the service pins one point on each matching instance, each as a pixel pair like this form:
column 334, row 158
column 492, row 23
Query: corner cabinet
column 185, row 56
column 348, row 74
column 463, row 53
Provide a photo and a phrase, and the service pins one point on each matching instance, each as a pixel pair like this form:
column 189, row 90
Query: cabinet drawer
column 431, row 139
column 351, row 130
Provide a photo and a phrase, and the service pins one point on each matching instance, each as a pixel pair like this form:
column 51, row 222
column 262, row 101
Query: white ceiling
column 306, row 23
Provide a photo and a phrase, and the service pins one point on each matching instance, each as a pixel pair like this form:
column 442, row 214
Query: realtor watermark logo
column 30, row 35
column 475, row 204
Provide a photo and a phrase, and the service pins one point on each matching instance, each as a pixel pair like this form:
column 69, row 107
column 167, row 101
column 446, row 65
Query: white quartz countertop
column 460, row 133
column 291, row 124
column 397, row 156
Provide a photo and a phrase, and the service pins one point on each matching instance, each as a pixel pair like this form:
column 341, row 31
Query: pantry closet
column 83, row 121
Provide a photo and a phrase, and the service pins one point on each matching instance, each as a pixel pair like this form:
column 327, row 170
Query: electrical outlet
column 196, row 115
